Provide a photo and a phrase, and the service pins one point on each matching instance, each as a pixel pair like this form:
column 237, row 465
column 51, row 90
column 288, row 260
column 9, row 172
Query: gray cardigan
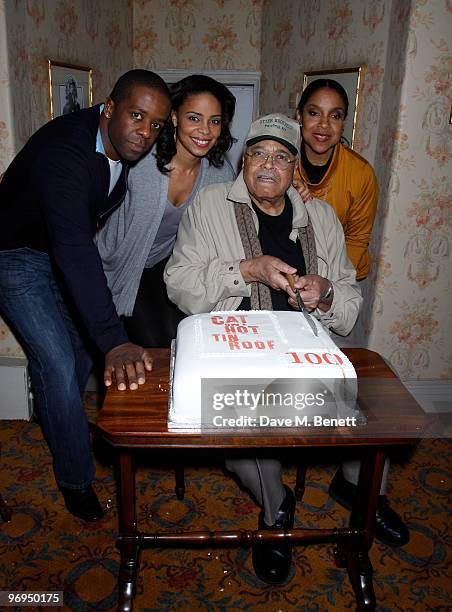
column 126, row 239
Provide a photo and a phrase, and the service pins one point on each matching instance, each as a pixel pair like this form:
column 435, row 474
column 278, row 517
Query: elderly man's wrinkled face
column 268, row 170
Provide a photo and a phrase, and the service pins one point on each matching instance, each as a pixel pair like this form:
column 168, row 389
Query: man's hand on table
column 128, row 364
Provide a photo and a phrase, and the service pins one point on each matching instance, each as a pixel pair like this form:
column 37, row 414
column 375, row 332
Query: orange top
column 351, row 188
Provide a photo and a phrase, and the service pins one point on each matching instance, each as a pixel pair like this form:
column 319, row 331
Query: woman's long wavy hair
column 191, row 86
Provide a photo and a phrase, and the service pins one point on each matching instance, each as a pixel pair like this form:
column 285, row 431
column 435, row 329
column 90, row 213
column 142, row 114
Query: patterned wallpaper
column 303, row 35
column 411, row 319
column 7, row 142
column 197, row 34
column 402, row 125
column 83, row 32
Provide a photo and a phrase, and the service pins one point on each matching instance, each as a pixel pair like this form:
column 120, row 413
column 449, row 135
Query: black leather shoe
column 83, row 503
column 389, row 527
column 272, row 561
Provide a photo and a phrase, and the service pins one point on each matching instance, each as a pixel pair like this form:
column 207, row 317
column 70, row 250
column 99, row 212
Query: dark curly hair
column 191, row 86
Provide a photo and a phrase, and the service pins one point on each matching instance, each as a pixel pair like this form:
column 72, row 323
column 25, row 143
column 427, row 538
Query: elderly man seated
column 235, row 246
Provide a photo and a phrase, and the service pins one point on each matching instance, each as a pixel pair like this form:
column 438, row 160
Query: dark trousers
column 31, row 302
column 155, row 318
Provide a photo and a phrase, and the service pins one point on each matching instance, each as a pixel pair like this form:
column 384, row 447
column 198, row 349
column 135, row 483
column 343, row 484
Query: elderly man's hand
column 127, row 362
column 268, row 270
column 311, row 287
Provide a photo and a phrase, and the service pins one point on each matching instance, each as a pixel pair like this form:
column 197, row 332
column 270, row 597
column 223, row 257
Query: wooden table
column 138, row 419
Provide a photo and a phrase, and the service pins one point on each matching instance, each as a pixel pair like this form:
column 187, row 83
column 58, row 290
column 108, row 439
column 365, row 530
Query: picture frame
column 70, row 88
column 351, row 80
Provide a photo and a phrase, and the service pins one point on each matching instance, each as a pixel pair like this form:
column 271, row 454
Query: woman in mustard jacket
column 333, row 172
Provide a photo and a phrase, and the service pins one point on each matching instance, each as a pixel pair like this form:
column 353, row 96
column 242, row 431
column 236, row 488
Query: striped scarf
column 260, row 293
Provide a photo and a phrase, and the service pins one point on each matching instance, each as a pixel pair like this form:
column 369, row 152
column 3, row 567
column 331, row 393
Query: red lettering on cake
column 337, row 359
column 236, row 344
column 241, row 329
column 232, row 319
column 315, row 359
column 242, row 319
column 216, row 320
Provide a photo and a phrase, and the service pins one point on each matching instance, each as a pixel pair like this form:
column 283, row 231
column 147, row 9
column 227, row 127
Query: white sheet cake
column 253, row 345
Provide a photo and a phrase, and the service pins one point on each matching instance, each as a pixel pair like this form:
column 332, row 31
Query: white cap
column 276, row 126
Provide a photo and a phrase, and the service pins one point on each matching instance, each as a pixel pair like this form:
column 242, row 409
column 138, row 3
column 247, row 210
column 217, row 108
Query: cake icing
column 264, row 346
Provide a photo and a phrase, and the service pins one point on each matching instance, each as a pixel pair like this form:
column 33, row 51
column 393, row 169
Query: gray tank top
column 166, row 233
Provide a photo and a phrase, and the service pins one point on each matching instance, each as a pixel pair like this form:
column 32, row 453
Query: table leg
column 354, row 554
column 128, row 546
column 179, row 473
column 300, row 480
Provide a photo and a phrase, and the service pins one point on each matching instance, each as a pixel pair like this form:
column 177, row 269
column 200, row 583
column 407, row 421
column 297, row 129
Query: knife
column 301, row 304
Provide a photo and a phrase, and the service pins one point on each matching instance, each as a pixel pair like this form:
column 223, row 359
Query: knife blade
column 301, row 305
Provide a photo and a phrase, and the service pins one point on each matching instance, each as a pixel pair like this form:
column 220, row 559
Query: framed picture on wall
column 70, row 88
column 351, row 81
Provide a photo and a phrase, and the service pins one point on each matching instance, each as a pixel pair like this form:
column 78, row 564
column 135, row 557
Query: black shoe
column 389, row 527
column 272, row 561
column 83, row 503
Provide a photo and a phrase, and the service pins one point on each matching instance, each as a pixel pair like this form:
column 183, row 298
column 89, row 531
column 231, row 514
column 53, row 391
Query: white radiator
column 16, row 401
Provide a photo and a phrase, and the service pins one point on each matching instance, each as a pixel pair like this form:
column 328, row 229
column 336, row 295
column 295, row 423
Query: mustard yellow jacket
column 351, row 188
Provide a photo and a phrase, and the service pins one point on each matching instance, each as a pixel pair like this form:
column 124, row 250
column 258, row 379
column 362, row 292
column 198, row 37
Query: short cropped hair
column 132, row 78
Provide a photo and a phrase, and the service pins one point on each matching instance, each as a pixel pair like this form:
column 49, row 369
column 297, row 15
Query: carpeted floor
column 44, row 548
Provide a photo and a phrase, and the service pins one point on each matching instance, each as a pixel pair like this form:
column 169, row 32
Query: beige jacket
column 203, row 272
